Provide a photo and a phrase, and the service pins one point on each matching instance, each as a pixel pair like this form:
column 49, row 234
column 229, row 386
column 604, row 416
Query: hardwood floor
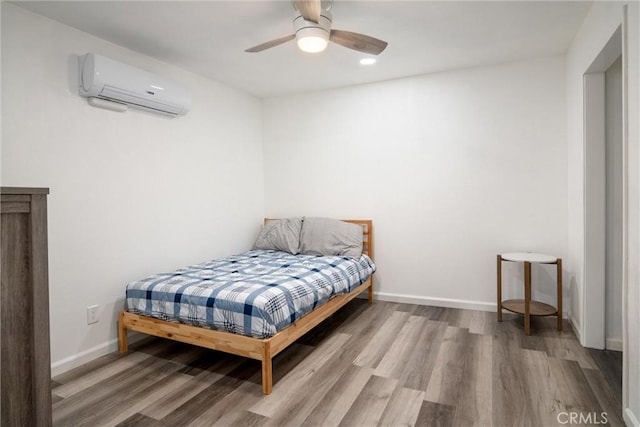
column 610, row 363
column 382, row 364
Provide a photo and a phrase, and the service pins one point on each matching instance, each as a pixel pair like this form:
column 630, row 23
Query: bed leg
column 370, row 293
column 267, row 372
column 123, row 345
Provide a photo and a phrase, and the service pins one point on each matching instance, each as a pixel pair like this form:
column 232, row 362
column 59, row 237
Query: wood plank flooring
column 384, row 364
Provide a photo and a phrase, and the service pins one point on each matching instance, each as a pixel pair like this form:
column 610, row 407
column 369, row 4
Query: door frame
column 593, row 298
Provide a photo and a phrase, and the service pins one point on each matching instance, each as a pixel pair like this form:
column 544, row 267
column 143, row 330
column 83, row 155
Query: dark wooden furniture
column 24, row 309
column 526, row 306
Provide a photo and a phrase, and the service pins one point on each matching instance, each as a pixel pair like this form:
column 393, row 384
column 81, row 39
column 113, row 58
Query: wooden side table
column 526, row 306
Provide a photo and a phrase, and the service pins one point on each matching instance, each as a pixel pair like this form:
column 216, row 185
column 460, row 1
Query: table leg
column 499, row 270
column 559, row 284
column 527, row 297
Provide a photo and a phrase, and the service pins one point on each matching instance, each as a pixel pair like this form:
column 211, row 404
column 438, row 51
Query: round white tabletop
column 530, row 257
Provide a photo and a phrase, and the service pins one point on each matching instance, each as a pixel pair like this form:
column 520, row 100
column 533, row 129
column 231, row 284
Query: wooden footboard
column 253, row 348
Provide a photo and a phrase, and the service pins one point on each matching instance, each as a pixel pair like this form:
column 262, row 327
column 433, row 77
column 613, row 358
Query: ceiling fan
column 312, row 25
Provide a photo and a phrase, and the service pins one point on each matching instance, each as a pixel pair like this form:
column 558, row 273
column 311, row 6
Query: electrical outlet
column 92, row 314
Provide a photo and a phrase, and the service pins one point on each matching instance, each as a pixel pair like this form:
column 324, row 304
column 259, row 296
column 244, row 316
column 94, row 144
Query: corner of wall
column 575, row 324
column 630, row 418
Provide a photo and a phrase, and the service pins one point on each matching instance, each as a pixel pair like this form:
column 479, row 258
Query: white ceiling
column 209, row 37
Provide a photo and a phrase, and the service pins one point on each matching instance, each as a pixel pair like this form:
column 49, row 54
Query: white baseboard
column 614, row 344
column 68, row 363
column 576, row 329
column 437, row 302
column 630, row 418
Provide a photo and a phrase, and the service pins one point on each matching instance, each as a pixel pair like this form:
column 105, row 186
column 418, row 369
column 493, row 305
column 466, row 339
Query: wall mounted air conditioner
column 102, row 78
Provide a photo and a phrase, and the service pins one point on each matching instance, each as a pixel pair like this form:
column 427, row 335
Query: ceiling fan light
column 312, row 44
column 312, row 40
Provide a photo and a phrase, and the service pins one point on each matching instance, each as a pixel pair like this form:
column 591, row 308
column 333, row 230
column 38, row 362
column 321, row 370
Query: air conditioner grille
column 114, row 94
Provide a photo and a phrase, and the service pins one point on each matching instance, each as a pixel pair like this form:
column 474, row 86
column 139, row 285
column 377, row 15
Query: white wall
column 453, row 168
column 631, row 293
column 600, row 24
column 131, row 193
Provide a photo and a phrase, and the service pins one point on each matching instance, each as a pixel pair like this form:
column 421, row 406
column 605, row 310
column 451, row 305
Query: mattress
column 255, row 293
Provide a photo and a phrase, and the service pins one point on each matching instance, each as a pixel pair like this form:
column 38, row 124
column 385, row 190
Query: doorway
column 603, row 177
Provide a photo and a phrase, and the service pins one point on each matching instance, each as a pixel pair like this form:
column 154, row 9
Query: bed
column 253, row 304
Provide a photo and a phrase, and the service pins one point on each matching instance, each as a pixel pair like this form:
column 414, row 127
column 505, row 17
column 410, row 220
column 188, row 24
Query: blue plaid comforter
column 256, row 293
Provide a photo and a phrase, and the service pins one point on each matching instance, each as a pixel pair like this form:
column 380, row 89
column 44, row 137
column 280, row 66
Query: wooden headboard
column 367, row 233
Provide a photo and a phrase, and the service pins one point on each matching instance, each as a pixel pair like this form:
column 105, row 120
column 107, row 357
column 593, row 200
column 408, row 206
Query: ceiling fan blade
column 358, row 42
column 309, row 9
column 270, row 44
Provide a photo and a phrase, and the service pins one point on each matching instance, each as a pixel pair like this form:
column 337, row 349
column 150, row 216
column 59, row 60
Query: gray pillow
column 326, row 236
column 280, row 235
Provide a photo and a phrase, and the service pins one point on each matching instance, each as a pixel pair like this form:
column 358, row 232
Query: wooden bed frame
column 259, row 349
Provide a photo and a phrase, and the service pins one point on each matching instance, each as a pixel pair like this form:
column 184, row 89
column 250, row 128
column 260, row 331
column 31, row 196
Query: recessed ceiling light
column 367, row 61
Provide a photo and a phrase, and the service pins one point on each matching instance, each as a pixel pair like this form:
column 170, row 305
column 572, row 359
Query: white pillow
column 280, row 235
column 326, row 236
